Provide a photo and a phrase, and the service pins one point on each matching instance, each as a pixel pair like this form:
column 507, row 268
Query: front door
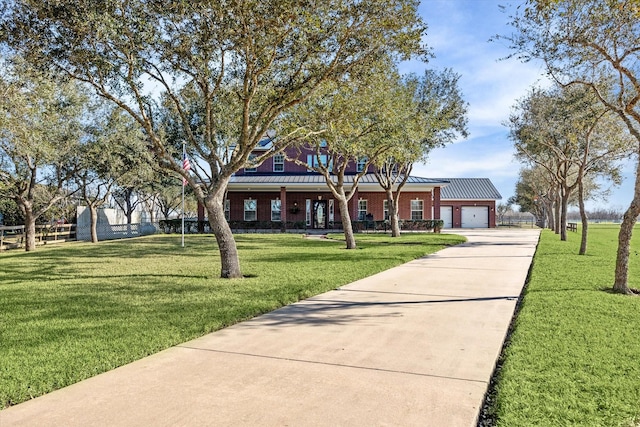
column 320, row 214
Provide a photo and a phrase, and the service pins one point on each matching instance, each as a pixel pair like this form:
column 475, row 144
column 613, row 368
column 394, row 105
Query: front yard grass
column 574, row 355
column 71, row 312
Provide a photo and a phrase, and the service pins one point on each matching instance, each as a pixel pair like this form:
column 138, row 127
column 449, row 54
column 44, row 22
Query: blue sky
column 459, row 33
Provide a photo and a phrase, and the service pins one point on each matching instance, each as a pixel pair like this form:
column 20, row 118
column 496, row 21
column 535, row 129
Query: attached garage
column 446, row 215
column 469, row 203
column 475, row 216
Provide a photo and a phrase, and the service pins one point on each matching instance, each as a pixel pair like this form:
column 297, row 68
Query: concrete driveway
column 412, row 346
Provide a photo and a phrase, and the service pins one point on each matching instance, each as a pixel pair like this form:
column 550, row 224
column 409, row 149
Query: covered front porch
column 303, row 202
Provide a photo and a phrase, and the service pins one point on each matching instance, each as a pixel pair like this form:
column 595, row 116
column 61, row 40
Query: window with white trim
column 227, row 209
column 362, row 210
column 362, row 162
column 275, row 210
column 252, row 157
column 417, row 209
column 278, row 163
column 250, row 210
column 385, row 209
column 308, row 211
column 315, row 161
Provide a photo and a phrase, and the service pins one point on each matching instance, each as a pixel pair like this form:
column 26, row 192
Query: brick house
column 282, row 192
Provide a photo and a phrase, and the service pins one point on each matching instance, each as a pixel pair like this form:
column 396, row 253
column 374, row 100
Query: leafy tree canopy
column 265, row 56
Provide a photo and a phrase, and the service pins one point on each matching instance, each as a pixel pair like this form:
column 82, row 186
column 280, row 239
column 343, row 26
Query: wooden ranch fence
column 12, row 237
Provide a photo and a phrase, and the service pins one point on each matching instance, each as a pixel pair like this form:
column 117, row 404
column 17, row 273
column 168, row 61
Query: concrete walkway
column 412, row 346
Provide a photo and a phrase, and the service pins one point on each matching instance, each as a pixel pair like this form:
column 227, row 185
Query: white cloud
column 458, row 33
column 460, row 160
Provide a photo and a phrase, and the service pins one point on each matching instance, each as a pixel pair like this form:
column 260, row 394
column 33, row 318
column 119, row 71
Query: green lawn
column 72, row 311
column 574, row 356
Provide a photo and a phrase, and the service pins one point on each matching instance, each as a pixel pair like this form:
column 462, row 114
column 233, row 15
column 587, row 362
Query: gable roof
column 469, row 189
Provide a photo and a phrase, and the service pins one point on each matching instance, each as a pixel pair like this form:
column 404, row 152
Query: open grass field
column 574, row 356
column 73, row 311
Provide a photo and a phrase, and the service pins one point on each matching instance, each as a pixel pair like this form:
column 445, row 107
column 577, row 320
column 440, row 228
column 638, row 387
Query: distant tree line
column 600, row 214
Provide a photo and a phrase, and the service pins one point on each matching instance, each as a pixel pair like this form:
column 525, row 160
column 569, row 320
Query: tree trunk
column 387, row 181
column 584, row 219
column 349, row 238
column 395, row 222
column 551, row 224
column 229, row 259
column 622, row 257
column 126, row 204
column 556, row 213
column 29, row 228
column 564, row 199
column 624, row 239
column 165, row 210
column 129, row 209
column 152, row 210
column 393, row 214
column 93, row 217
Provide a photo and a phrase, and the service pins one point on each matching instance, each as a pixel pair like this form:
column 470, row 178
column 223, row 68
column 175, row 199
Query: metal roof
column 452, row 188
column 469, row 189
column 250, row 178
column 312, row 178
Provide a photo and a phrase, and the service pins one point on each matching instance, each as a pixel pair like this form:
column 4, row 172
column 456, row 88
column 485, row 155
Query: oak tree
column 432, row 113
column 270, row 55
column 113, row 154
column 346, row 124
column 40, row 130
column 569, row 134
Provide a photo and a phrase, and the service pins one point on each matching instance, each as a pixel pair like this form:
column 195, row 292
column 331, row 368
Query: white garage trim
column 475, row 217
column 446, row 214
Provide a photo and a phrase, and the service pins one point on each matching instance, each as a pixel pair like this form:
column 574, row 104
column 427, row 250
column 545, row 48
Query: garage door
column 475, row 217
column 446, row 214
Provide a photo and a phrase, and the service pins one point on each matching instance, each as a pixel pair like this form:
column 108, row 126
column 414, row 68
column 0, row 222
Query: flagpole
column 184, row 153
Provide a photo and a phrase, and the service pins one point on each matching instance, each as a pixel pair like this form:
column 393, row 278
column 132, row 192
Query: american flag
column 186, row 166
